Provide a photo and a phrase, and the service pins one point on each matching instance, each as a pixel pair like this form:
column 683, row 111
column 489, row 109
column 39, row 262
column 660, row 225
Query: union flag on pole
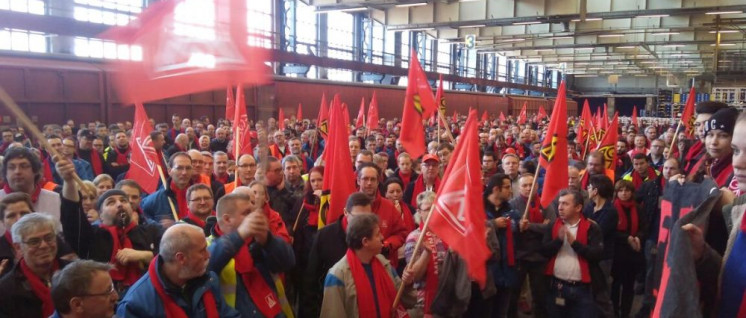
column 322, row 122
column 182, row 55
column 522, row 115
column 502, row 117
column 542, row 114
column 281, row 119
column 687, row 116
column 419, row 103
column 373, row 113
column 441, row 100
column 361, row 114
column 607, row 146
column 553, row 156
column 458, row 216
column 230, row 103
column 299, row 114
column 634, row 116
column 143, row 159
column 241, row 129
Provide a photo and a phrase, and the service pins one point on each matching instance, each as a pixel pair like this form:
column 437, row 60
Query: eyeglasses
column 110, row 292
column 202, row 199
column 248, row 165
column 36, row 242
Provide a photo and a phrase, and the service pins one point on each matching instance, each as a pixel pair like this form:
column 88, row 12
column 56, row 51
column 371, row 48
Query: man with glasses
column 198, row 166
column 245, row 171
column 200, row 206
column 82, row 167
column 157, row 206
column 428, row 180
column 88, row 153
column 24, row 292
column 510, row 165
column 83, row 289
column 279, row 149
column 7, row 139
column 280, row 198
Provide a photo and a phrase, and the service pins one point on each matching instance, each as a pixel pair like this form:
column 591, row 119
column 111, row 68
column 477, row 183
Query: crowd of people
column 228, row 236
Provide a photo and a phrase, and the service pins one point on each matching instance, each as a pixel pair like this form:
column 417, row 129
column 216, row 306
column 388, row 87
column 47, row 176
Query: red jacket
column 392, row 225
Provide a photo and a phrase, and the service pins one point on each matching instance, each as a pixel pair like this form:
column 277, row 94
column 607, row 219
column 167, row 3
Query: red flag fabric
column 454, row 118
column 441, row 100
column 553, row 156
column 281, row 119
column 522, row 116
column 230, row 103
column 542, row 114
column 361, row 115
column 373, row 113
column 143, row 159
column 585, row 120
column 502, row 117
column 241, row 129
column 485, row 117
column 605, row 121
column 345, row 112
column 458, row 216
column 322, row 122
column 687, row 116
column 634, row 116
column 179, row 57
column 607, row 146
column 419, row 103
column 339, row 177
column 299, row 114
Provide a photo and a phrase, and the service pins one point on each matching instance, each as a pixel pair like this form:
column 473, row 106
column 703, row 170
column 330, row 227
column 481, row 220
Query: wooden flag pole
column 415, row 252
column 165, row 186
column 297, row 217
column 35, row 132
column 531, row 194
column 587, row 143
column 673, row 141
column 445, row 124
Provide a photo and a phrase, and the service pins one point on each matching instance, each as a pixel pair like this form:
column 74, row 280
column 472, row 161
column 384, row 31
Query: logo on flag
column 452, row 209
column 609, row 153
column 417, row 104
column 145, row 145
column 550, row 150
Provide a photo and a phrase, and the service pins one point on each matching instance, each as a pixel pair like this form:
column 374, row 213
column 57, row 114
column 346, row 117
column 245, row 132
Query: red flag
column 322, row 122
column 419, row 103
column 605, row 121
column 687, row 116
column 441, row 100
column 608, row 144
column 176, row 60
column 542, row 114
column 485, row 117
column 502, row 117
column 522, row 116
column 229, row 104
column 299, row 114
column 634, row 116
column 281, row 119
column 554, row 150
column 339, row 178
column 241, row 129
column 454, row 118
column 361, row 115
column 345, row 112
column 459, row 217
column 373, row 113
column 584, row 128
column 143, row 159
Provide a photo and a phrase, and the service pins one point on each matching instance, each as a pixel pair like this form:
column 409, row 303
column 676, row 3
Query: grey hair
column 31, row 222
column 176, row 240
column 291, row 158
column 73, row 281
column 426, row 196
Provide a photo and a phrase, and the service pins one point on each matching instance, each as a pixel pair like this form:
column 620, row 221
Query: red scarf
column 8, row 237
column 48, row 176
column 419, row 187
column 40, row 289
column 122, row 156
column 722, row 170
column 262, row 295
column 304, row 162
column 223, row 179
column 637, row 179
column 385, row 290
column 693, row 152
column 510, row 249
column 534, row 211
column 98, row 168
column 197, row 221
column 313, row 214
column 169, row 305
column 582, row 238
column 127, row 274
column 622, row 207
column 432, row 272
column 405, row 178
column 181, row 200
column 584, row 180
column 344, row 223
column 34, row 195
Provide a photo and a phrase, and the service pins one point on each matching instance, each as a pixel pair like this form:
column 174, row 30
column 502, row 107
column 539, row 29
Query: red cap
column 430, row 157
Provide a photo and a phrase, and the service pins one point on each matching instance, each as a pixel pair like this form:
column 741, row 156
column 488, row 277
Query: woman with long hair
column 629, row 260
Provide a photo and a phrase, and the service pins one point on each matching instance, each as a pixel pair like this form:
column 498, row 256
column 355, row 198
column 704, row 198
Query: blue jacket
column 504, row 274
column 142, row 300
column 155, row 206
column 276, row 256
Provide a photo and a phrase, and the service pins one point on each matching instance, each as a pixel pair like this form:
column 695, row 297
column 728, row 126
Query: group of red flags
column 372, row 122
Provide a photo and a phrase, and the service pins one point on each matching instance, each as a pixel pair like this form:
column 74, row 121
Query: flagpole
column 531, row 194
column 448, row 131
column 415, row 252
column 35, row 132
column 437, row 126
column 165, row 186
column 297, row 217
column 673, row 141
column 587, row 143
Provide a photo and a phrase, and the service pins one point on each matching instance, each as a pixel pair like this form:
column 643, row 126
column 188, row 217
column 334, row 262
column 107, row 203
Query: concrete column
column 61, row 8
column 649, row 104
column 611, row 106
column 322, row 42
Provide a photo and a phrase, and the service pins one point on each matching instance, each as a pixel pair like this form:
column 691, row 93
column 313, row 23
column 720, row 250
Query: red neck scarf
column 582, row 238
column 419, row 187
column 181, row 200
column 405, row 178
column 722, row 170
column 127, row 274
column 197, row 220
column 169, row 305
column 344, row 223
column 313, row 213
column 624, row 225
column 40, row 289
column 48, row 176
column 385, row 290
column 663, row 184
column 637, row 179
column 534, row 211
column 432, row 272
column 584, row 180
column 694, row 151
column 98, row 168
column 34, row 195
column 509, row 244
column 223, row 179
column 8, row 237
column 122, row 155
column 261, row 293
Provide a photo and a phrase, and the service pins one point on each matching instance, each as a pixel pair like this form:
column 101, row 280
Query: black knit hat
column 709, row 107
column 106, row 195
column 724, row 119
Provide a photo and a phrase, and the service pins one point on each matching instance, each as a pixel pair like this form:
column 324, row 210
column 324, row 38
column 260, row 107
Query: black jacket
column 7, row 252
column 327, row 249
column 16, row 297
column 209, row 224
column 528, row 243
column 592, row 252
column 282, row 201
column 649, row 196
column 607, row 219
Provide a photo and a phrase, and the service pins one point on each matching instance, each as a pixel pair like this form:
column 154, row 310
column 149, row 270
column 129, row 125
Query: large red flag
column 502, row 117
column 607, row 146
column 361, row 114
column 373, row 113
column 554, row 150
column 322, row 122
column 485, row 117
column 458, row 216
column 345, row 112
column 542, row 114
column 143, row 159
column 522, row 115
column 339, row 178
column 299, row 114
column 419, row 103
column 605, row 121
column 281, row 119
column 241, row 129
column 584, row 130
column 180, row 57
column 230, row 103
column 687, row 116
column 634, row 116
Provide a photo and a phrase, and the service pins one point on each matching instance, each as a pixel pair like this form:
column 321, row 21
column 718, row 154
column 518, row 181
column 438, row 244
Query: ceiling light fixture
column 471, row 26
column 587, row 19
column 653, row 16
column 513, row 40
column 406, row 5
column 626, row 47
column 723, row 44
column 356, row 9
column 724, row 31
column 723, row 12
column 526, row 23
column 665, row 33
column 611, row 35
